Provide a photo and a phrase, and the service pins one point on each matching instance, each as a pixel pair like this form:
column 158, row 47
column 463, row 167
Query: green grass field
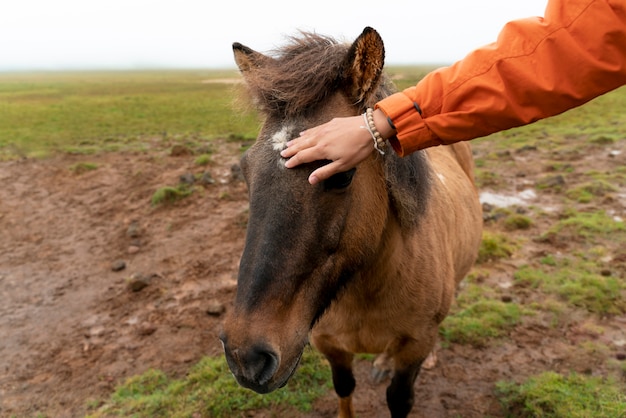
column 83, row 112
column 88, row 112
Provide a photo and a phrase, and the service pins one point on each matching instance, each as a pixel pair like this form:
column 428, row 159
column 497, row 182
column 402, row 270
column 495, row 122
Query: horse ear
column 246, row 58
column 364, row 64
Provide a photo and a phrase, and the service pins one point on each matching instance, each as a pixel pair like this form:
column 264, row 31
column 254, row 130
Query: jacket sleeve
column 538, row 67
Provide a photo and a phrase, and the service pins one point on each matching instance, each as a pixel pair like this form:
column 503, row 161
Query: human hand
column 343, row 141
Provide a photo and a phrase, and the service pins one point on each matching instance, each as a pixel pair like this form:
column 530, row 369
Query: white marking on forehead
column 280, row 138
column 442, row 178
column 279, row 142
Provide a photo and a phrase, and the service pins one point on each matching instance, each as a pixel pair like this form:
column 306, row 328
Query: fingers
column 296, row 145
column 325, row 172
column 340, row 141
column 303, row 149
column 304, row 156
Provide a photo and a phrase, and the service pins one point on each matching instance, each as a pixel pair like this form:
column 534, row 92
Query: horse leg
column 400, row 393
column 381, row 368
column 408, row 356
column 343, row 378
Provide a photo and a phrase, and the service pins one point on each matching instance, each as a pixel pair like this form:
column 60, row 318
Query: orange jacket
column 538, row 67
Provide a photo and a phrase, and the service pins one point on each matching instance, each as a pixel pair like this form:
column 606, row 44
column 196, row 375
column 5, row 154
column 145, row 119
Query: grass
column 203, row 159
column 495, row 246
column 86, row 112
column 587, row 226
column 569, row 133
column 479, row 316
column 586, row 192
column 170, row 194
column 83, row 167
column 551, row 394
column 480, row 322
column 517, row 221
column 486, row 178
column 209, row 390
column 578, row 282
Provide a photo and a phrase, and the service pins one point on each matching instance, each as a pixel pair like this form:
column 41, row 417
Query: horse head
column 303, row 243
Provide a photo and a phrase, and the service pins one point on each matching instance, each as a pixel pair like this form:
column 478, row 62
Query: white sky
column 128, row 34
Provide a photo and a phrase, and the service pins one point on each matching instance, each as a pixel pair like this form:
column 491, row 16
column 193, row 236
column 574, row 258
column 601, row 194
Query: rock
column 620, row 356
column 235, row 173
column 133, row 230
column 118, row 265
column 138, row 282
column 215, row 308
column 146, row 329
column 551, row 182
column 487, row 207
column 97, row 331
column 207, row 179
column 505, row 153
column 187, row 178
column 180, row 150
column 133, row 249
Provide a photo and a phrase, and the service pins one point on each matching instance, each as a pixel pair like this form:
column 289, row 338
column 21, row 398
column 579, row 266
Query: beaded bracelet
column 379, row 142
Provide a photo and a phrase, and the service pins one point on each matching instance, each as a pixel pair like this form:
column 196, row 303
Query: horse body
column 411, row 284
column 369, row 260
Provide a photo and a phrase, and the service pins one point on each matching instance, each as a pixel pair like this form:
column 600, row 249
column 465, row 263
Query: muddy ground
column 71, row 327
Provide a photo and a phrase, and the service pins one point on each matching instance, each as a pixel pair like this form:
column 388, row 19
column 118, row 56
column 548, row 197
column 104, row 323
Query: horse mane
column 408, row 185
column 298, row 77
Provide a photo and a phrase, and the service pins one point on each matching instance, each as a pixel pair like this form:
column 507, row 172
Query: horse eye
column 339, row 180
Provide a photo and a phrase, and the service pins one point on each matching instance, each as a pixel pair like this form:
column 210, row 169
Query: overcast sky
column 129, row 34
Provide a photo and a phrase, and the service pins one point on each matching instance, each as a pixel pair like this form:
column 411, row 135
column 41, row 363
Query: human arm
column 539, row 67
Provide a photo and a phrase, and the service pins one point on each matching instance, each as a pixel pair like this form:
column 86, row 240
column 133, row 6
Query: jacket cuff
column 412, row 132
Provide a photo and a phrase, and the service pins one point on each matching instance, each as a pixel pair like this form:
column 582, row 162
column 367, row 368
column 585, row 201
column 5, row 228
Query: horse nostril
column 259, row 365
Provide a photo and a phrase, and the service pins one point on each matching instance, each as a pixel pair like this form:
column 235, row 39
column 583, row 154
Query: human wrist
column 370, row 126
column 383, row 125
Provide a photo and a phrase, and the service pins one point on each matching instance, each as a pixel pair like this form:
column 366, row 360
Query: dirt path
column 71, row 327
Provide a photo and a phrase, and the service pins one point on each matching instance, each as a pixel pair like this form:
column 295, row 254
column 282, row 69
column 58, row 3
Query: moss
column 585, row 225
column 169, row 194
column 80, row 168
column 517, row 221
column 587, row 191
column 209, row 390
column 495, row 246
column 554, row 395
column 480, row 321
column 576, row 282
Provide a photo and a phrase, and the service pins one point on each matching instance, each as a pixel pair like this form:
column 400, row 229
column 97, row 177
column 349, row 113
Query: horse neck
column 408, row 188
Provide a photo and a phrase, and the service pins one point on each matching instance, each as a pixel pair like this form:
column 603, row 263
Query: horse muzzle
column 257, row 367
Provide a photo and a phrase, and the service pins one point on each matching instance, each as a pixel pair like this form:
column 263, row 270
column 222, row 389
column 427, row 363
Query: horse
column 367, row 261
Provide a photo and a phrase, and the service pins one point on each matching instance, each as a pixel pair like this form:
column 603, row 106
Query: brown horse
column 368, row 261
